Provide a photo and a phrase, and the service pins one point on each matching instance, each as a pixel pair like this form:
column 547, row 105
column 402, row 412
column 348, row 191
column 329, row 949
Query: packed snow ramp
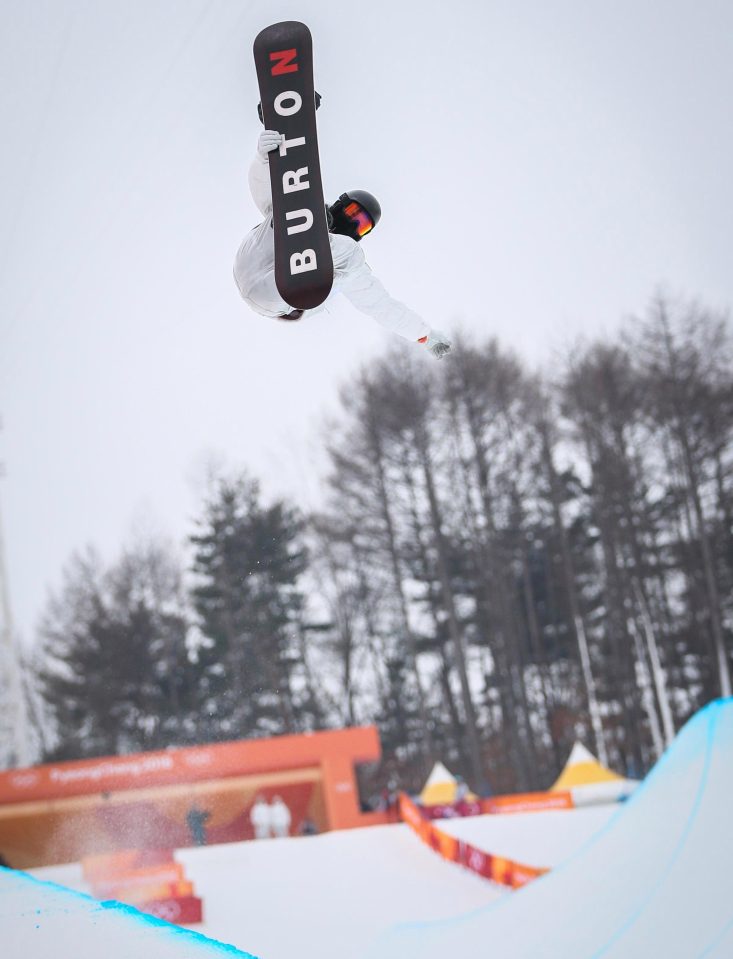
column 654, row 882
column 46, row 921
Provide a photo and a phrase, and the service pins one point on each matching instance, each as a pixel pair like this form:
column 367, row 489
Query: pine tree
column 116, row 675
column 248, row 561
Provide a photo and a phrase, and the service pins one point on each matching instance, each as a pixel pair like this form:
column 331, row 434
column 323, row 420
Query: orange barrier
column 517, row 802
column 137, row 878
column 453, row 810
column 150, row 880
column 123, row 862
column 527, row 802
column 138, row 897
column 498, row 869
column 182, row 911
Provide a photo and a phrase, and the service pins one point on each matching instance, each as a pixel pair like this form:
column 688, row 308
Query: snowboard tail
column 283, row 54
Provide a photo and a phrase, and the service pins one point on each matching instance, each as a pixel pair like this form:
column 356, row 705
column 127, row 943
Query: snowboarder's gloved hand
column 438, row 343
column 269, row 140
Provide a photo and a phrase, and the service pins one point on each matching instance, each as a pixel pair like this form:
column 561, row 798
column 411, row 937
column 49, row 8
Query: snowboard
column 283, row 55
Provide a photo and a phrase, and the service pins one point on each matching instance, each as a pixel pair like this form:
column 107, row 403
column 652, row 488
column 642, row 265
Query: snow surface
column 655, row 881
column 39, row 920
column 328, row 896
column 532, row 838
column 645, row 879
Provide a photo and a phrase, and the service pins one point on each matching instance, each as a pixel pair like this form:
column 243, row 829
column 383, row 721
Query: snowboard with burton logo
column 283, row 55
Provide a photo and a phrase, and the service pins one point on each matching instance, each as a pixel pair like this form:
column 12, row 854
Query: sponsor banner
column 124, row 861
column 150, row 880
column 410, row 813
column 527, row 802
column 192, row 764
column 447, row 846
column 453, row 810
column 498, row 869
column 476, row 860
column 133, row 897
column 154, row 876
column 521, row 875
column 180, row 910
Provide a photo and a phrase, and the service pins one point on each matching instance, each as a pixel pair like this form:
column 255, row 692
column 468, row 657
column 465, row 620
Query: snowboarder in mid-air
column 350, row 218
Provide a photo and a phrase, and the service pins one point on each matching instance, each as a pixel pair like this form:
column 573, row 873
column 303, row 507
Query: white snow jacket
column 280, row 818
column 254, row 270
column 261, row 818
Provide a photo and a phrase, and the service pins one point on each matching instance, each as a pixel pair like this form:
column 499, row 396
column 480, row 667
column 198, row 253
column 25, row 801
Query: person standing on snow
column 350, row 218
column 260, row 817
column 280, row 818
column 196, row 819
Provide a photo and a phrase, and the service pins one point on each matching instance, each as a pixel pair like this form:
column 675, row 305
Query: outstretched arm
column 259, row 171
column 366, row 292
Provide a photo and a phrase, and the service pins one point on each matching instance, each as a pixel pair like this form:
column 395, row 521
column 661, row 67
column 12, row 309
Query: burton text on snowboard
column 283, row 55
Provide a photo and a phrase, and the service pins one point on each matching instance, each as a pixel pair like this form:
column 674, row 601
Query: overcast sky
column 542, row 169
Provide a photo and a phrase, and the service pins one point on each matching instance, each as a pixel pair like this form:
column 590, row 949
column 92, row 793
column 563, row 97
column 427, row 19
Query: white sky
column 542, row 167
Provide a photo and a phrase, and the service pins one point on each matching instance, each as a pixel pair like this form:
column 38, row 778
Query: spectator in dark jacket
column 197, row 819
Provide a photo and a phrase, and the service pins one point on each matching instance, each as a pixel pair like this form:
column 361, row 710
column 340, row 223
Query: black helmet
column 354, row 214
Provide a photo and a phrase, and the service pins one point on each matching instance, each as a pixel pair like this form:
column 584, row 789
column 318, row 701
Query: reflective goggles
column 359, row 217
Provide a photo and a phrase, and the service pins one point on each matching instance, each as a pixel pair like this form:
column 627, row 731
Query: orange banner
column 527, row 802
column 133, row 897
column 181, row 910
column 339, row 748
column 155, row 876
column 148, row 879
column 498, row 869
column 123, row 862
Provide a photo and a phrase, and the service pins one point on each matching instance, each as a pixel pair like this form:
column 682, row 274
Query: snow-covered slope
column 645, row 879
column 327, row 896
column 654, row 882
column 534, row 838
column 39, row 920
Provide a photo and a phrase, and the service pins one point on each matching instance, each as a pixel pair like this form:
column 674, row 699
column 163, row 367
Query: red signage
column 198, row 763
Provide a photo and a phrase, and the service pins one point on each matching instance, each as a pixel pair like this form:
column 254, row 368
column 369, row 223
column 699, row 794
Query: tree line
column 503, row 561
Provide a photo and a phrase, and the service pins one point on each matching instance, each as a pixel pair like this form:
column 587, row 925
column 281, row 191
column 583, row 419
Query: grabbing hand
column 269, row 140
column 438, row 344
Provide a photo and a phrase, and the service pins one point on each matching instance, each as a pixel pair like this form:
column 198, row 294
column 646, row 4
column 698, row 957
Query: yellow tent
column 583, row 769
column 441, row 787
column 589, row 781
